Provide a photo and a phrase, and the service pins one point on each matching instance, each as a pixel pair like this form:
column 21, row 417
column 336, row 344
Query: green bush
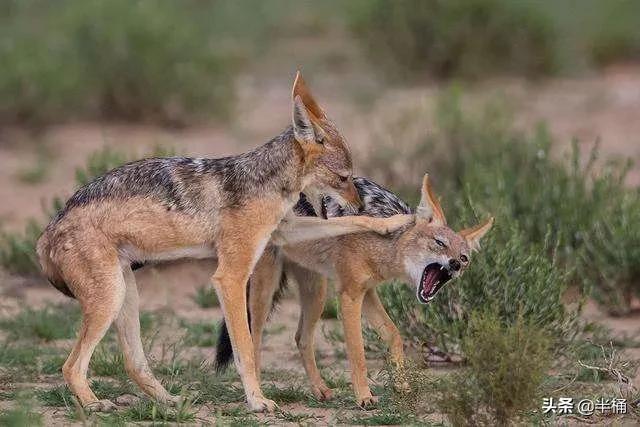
column 206, row 297
column 49, row 323
column 503, row 380
column 611, row 262
column 166, row 61
column 454, row 38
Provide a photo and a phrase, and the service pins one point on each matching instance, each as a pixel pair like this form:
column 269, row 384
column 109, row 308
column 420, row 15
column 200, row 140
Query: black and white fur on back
column 377, row 202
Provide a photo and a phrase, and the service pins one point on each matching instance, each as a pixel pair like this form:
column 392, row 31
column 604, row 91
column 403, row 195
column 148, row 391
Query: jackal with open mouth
column 427, row 254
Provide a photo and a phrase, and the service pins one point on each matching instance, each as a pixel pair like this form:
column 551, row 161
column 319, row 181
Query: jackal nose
column 454, row 264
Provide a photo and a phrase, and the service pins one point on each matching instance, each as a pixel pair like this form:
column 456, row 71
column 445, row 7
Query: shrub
column 119, row 59
column 48, row 324
column 206, row 297
column 507, row 366
column 454, row 38
column 18, row 250
column 611, row 262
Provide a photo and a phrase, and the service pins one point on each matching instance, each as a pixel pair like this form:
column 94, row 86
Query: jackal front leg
column 295, row 229
column 237, row 256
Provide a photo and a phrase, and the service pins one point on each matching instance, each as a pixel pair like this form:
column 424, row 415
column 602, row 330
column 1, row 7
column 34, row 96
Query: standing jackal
column 167, row 208
column 426, row 254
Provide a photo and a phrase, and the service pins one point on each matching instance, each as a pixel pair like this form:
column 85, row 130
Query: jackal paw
column 103, row 405
column 175, row 401
column 393, row 223
column 322, row 392
column 368, row 402
column 262, row 404
column 127, row 400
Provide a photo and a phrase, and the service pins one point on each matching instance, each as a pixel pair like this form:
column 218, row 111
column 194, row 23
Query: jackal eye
column 440, row 243
column 464, row 259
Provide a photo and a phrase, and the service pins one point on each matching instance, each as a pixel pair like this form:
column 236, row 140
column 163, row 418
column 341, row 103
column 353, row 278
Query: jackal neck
column 275, row 168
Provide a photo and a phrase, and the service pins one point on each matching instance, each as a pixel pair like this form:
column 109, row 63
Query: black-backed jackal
column 426, row 254
column 167, row 208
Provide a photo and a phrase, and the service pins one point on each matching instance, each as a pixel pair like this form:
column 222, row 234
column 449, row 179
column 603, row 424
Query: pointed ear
column 302, row 127
column 300, row 89
column 429, row 208
column 474, row 234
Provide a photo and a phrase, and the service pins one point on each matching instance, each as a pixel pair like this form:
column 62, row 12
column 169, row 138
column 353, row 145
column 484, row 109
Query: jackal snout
column 327, row 155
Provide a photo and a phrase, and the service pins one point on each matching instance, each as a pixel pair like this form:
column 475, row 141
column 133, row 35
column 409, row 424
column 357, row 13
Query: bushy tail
column 224, row 351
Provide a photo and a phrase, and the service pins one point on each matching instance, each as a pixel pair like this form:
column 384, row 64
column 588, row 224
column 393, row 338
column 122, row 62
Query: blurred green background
column 175, row 61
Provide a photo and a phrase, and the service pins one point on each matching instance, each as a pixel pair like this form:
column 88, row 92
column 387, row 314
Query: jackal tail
column 224, row 350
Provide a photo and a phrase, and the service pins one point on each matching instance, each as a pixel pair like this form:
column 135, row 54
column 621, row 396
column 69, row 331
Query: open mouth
column 433, row 279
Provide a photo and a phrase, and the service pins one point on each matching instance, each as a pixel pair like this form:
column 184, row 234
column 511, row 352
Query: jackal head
column 328, row 166
column 432, row 253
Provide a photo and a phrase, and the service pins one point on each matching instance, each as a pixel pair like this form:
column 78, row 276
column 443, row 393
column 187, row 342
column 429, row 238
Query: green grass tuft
column 200, row 334
column 50, row 323
column 206, row 297
column 20, row 417
column 507, row 364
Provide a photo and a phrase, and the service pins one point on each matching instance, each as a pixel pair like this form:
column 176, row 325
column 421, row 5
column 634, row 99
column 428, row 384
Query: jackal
column 167, row 208
column 427, row 254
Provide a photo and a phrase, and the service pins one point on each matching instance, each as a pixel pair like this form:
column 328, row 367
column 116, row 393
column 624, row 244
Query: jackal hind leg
column 97, row 282
column 263, row 284
column 235, row 264
column 135, row 361
column 313, row 295
column 378, row 318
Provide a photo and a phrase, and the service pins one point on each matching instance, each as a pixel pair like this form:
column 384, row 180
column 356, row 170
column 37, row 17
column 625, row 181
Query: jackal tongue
column 429, row 280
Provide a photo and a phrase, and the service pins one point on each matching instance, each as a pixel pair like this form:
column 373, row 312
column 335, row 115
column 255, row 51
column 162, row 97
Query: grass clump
column 115, row 60
column 56, row 396
column 107, row 361
column 331, row 308
column 200, row 334
column 507, row 364
column 611, row 262
column 18, row 250
column 416, row 37
column 20, row 416
column 50, row 323
column 206, row 297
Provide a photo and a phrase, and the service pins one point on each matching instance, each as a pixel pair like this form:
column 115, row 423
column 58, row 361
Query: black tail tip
column 224, row 351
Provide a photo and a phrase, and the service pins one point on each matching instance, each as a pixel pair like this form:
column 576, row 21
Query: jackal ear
column 300, row 89
column 303, row 128
column 429, row 208
column 474, row 234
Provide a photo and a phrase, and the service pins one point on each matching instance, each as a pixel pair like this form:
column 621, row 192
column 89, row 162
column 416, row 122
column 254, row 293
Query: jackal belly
column 132, row 253
column 316, row 256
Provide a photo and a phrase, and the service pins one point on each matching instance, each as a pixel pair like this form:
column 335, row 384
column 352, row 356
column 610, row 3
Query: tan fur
column 90, row 247
column 359, row 263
